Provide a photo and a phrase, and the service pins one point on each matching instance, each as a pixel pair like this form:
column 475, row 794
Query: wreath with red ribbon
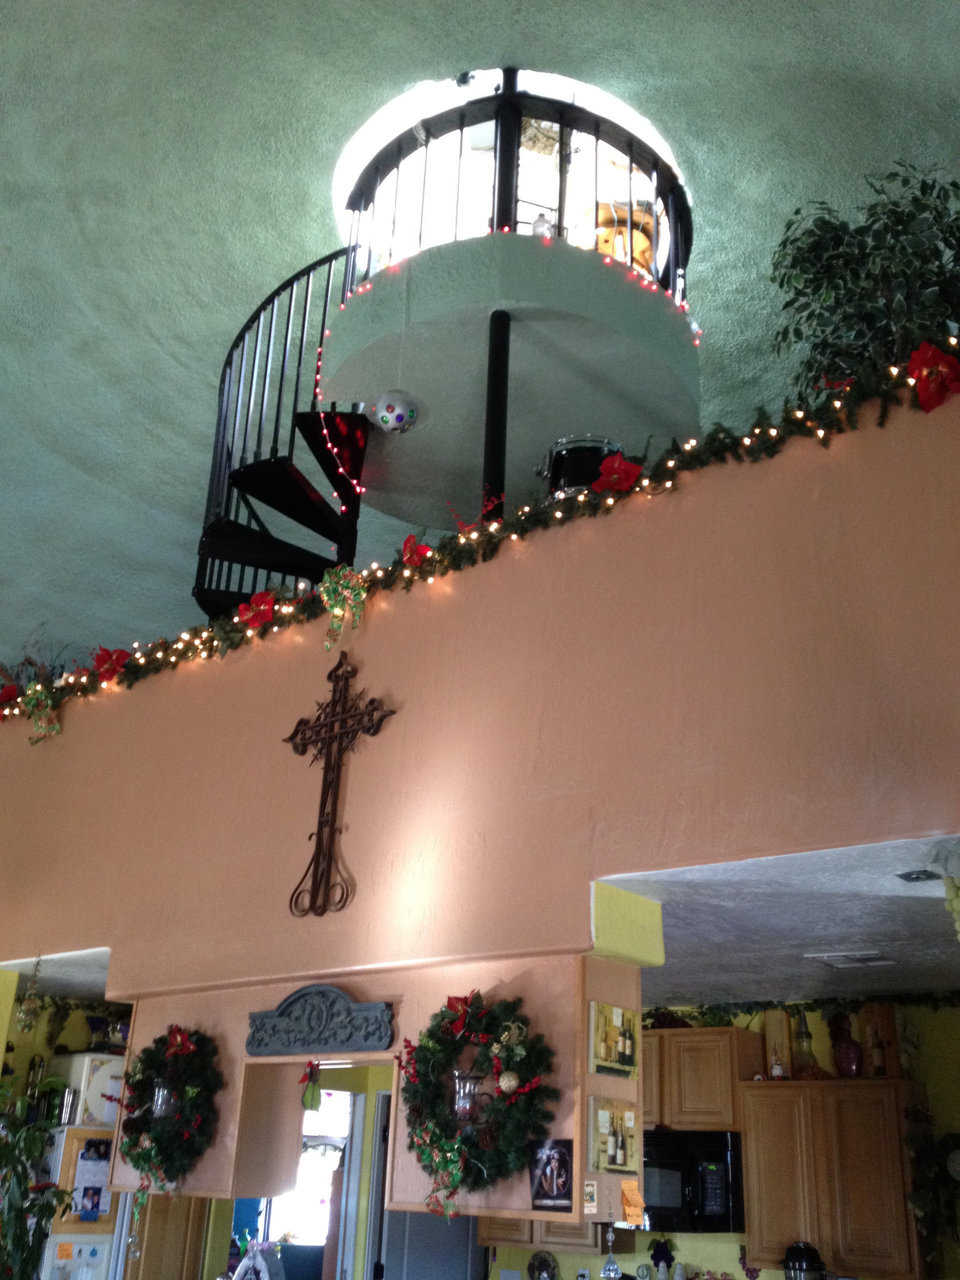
column 502, row 1106
column 164, row 1142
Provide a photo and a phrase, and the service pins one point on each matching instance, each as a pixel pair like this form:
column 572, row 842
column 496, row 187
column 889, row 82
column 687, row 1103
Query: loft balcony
column 516, row 269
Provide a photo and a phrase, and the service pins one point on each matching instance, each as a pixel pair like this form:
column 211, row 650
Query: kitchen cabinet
column 579, row 1237
column 689, row 1075
column 823, row 1161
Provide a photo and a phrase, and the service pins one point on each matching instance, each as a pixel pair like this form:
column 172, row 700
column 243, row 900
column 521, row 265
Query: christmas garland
column 490, row 1142
column 930, row 378
column 164, row 1142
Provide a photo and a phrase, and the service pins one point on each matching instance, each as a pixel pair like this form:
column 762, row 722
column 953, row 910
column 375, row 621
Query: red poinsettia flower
column 258, row 611
column 8, row 694
column 178, row 1041
column 617, row 472
column 460, row 1005
column 937, row 375
column 108, row 663
column 414, row 553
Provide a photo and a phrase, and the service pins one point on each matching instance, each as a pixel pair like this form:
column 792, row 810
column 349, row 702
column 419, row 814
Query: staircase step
column 217, row 603
column 278, row 483
column 242, row 544
column 347, row 433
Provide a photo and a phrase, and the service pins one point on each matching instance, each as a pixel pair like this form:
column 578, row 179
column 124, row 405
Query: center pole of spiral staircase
column 495, row 429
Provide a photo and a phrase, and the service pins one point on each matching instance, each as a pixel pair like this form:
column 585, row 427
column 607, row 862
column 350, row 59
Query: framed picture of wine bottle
column 613, row 1146
column 613, row 1047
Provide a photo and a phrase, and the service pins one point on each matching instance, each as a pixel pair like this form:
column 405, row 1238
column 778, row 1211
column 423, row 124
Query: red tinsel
column 8, row 693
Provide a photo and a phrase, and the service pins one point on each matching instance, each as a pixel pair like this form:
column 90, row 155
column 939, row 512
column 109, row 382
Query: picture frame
column 85, row 1170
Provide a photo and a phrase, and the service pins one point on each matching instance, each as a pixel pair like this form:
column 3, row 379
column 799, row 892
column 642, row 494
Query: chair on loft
column 613, row 230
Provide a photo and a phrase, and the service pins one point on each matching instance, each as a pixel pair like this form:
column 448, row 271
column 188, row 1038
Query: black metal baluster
column 423, row 191
column 630, row 208
column 303, row 341
column 239, row 400
column 396, row 198
column 266, row 381
column 672, row 223
column 291, row 304
column 456, row 207
column 596, row 186
column 565, row 146
column 252, row 390
column 507, row 155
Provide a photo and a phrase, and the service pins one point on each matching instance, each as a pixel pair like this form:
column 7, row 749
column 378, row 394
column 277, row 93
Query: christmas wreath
column 464, row 1137
column 171, row 1117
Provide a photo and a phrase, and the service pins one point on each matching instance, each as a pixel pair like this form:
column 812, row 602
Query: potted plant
column 27, row 1207
column 862, row 294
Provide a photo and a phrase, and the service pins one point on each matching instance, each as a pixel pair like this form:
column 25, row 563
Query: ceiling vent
column 916, row 877
column 851, row 959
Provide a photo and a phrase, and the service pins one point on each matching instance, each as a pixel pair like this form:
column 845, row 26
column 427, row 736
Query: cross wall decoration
column 327, row 885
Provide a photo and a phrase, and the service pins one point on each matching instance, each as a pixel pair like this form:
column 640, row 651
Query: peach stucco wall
column 550, row 990
column 763, row 663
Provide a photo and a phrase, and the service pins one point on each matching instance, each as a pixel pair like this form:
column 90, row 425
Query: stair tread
column 241, row 544
column 348, row 432
column 281, row 485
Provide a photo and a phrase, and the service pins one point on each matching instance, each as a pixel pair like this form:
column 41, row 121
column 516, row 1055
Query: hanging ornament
column 509, row 1082
column 312, row 1093
column 394, row 411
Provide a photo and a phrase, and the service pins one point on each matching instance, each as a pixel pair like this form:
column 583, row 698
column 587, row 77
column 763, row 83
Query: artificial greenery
column 164, row 1148
column 723, row 1015
column 862, row 294
column 476, row 1154
column 338, row 596
column 61, row 1007
column 933, row 1196
column 27, row 1207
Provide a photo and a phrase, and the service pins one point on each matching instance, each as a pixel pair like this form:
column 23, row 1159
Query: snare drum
column 573, row 462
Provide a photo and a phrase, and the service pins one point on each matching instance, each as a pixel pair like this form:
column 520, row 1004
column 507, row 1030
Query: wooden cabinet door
column 863, row 1197
column 504, row 1231
column 698, row 1079
column 651, row 1049
column 566, row 1235
column 779, row 1188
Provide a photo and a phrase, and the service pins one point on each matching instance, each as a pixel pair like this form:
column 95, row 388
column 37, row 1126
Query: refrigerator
column 89, row 1242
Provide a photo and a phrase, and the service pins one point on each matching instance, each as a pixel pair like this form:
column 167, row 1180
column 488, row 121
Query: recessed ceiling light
column 851, row 959
column 915, row 877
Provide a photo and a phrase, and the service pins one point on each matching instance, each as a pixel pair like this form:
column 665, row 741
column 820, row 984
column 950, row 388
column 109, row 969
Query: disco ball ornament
column 394, row 411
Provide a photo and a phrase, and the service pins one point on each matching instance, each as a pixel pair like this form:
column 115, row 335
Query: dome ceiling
column 165, row 166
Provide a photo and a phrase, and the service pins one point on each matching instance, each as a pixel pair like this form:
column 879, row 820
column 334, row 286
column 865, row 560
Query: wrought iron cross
column 327, row 885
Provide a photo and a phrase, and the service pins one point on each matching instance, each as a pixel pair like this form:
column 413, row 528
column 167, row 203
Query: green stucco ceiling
column 165, row 165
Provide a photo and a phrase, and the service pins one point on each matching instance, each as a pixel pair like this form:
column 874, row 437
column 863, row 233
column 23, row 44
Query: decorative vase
column 847, row 1052
column 164, row 1100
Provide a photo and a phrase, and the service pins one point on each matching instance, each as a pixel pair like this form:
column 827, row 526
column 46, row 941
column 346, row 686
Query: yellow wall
column 75, row 1036
column 696, row 1252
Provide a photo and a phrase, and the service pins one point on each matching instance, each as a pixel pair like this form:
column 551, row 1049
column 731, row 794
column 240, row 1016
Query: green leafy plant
column 860, row 294
column 27, row 1207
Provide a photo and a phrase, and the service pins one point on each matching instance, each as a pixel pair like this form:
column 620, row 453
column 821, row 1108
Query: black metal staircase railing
column 267, row 401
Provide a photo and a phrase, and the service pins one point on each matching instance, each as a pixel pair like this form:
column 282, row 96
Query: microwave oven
column 692, row 1181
